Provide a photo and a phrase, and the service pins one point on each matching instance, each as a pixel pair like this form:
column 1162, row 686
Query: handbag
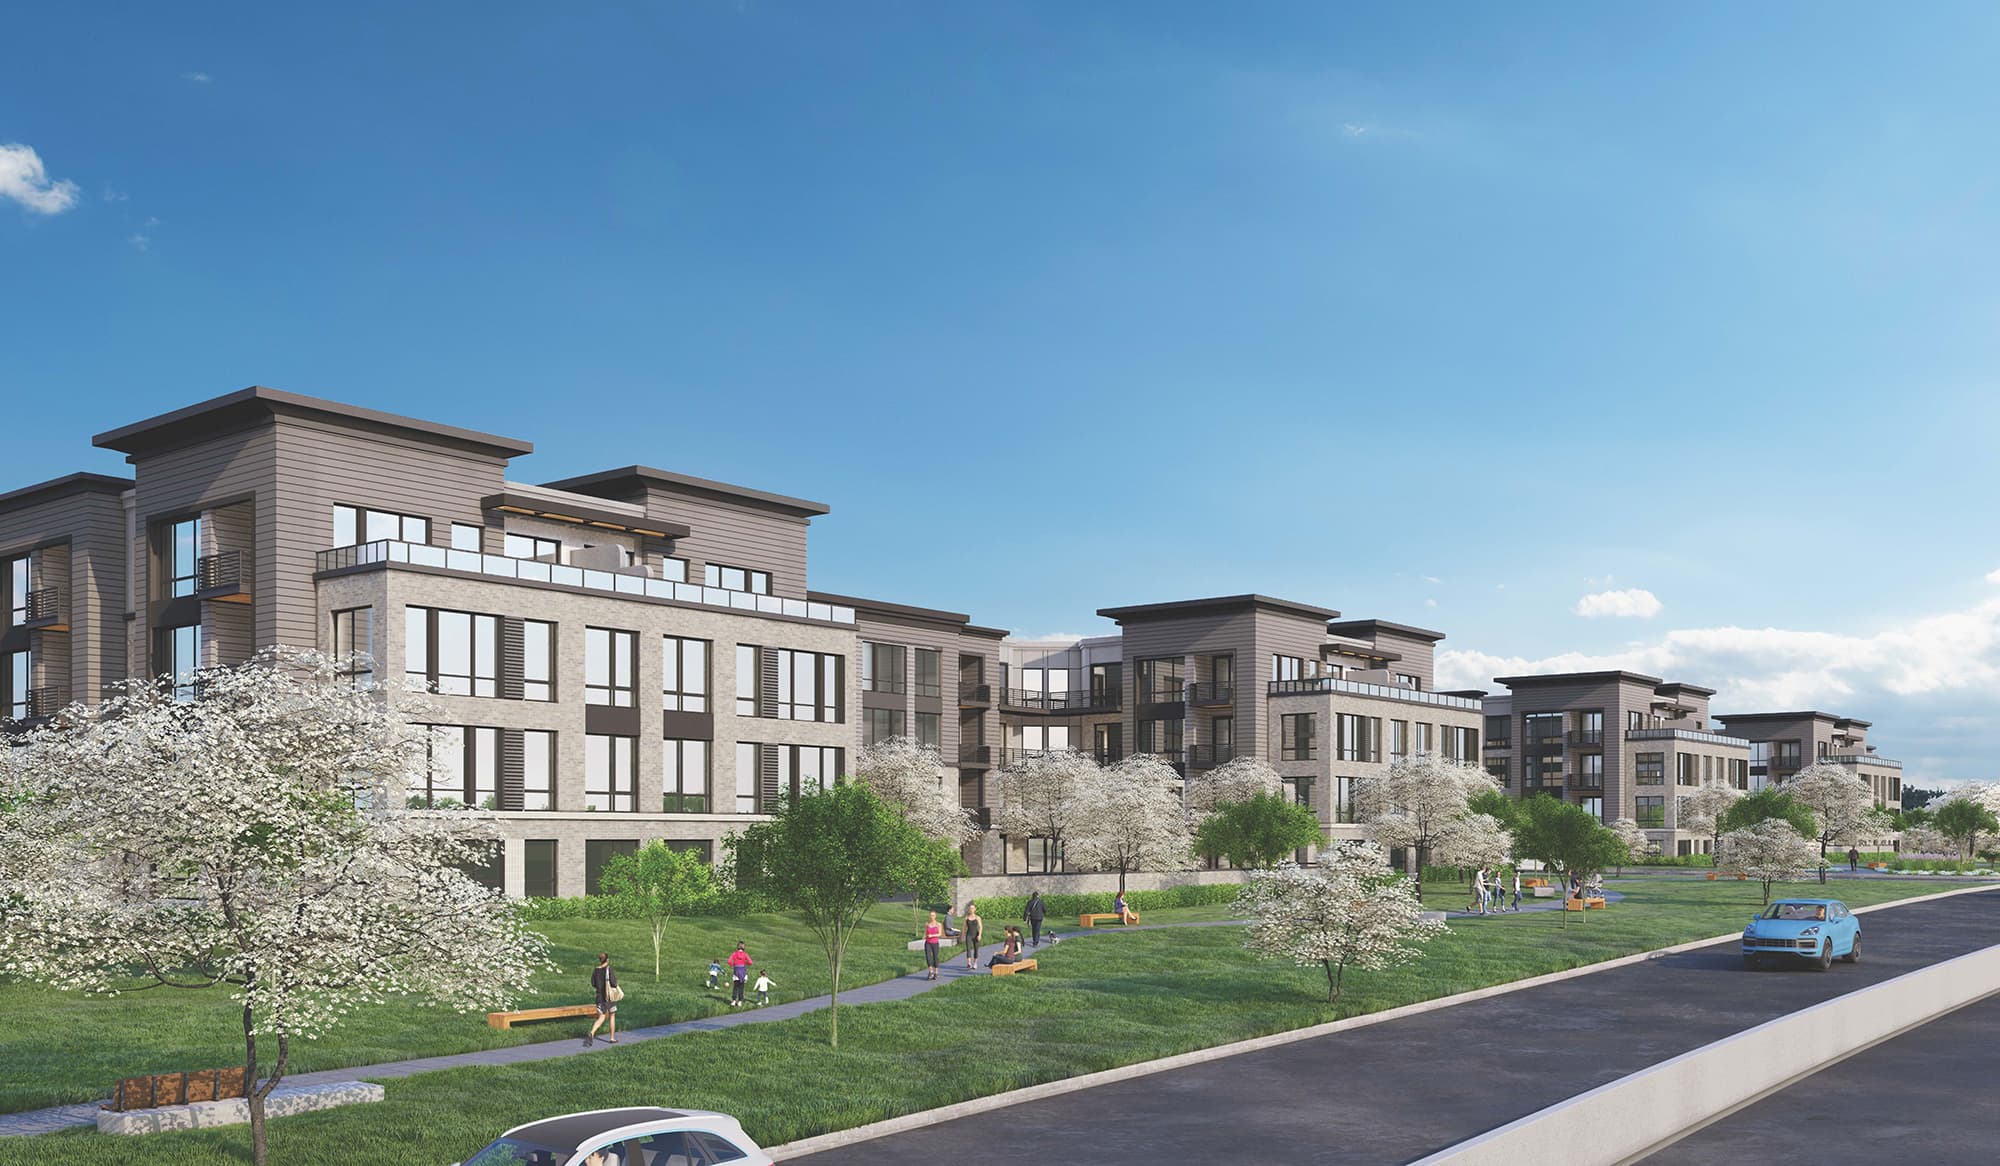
column 614, row 993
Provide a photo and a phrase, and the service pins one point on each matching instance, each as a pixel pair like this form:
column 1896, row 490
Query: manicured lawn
column 62, row 1047
column 1095, row 1003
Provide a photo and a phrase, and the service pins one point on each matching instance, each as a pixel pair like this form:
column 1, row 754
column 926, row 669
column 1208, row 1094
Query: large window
column 1288, row 667
column 354, row 645
column 882, row 667
column 538, row 660
column 1360, row 737
column 685, row 776
column 1161, row 737
column 179, row 655
column 746, row 778
column 597, row 854
column 1650, row 813
column 1649, row 768
column 180, row 557
column 538, row 769
column 1461, row 744
column 610, row 659
column 461, row 768
column 19, row 581
column 19, row 675
column 1298, row 737
column 929, row 675
column 1499, row 732
column 683, row 675
column 525, row 546
column 1426, row 743
column 1687, row 769
column 1160, row 681
column 809, row 685
column 880, row 725
column 804, row 769
column 359, row 524
column 928, row 731
column 736, row 578
column 746, row 680
column 610, row 767
column 538, row 868
column 451, row 652
column 1105, row 683
column 1343, row 799
column 1399, row 739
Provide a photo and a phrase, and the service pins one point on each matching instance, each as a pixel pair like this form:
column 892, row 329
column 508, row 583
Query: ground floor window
column 597, row 854
column 700, row 846
column 538, row 868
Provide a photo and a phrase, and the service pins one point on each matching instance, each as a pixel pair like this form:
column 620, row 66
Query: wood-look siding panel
column 92, row 580
column 950, row 645
column 739, row 535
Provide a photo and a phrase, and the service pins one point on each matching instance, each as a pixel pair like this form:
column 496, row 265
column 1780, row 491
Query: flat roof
column 581, row 510
column 1807, row 714
column 1572, row 677
column 1385, row 655
column 1468, row 693
column 1180, row 607
column 81, row 483
column 1664, row 689
column 1371, row 627
column 641, row 475
column 197, row 421
column 883, row 607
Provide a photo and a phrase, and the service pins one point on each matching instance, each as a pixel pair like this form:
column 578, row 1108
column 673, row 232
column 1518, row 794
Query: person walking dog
column 604, row 983
column 1035, row 913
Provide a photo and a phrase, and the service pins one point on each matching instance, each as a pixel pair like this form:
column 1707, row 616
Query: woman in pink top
column 933, row 935
column 739, row 971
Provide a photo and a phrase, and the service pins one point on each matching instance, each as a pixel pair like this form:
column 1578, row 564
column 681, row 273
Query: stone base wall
column 980, row 886
column 283, row 1102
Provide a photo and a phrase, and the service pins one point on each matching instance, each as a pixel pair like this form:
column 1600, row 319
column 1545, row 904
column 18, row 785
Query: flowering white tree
column 1840, row 801
column 1768, row 851
column 1136, row 822
column 1637, row 844
column 1703, row 809
column 1474, row 840
column 912, row 779
column 1237, row 781
column 1927, row 840
column 1050, row 796
column 1349, row 911
column 254, row 837
column 1414, row 800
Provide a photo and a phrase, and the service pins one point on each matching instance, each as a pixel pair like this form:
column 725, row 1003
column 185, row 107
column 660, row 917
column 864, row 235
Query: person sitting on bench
column 1010, row 951
column 1118, row 905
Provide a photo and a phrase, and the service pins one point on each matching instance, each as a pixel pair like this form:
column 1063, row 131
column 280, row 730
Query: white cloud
column 140, row 241
column 23, row 179
column 1631, row 603
column 1430, row 603
column 198, row 77
column 1993, row 576
column 1432, row 579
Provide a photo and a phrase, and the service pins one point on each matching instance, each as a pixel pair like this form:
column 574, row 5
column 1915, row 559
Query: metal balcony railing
column 1209, row 756
column 222, row 573
column 1317, row 684
column 1058, row 702
column 975, row 754
column 1590, row 781
column 44, row 607
column 975, row 694
column 42, row 703
column 1586, row 736
column 1210, row 693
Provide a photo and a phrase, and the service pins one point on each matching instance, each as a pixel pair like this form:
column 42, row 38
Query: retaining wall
column 981, row 886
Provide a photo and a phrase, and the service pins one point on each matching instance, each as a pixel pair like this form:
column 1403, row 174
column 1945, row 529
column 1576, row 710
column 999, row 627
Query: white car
column 637, row 1136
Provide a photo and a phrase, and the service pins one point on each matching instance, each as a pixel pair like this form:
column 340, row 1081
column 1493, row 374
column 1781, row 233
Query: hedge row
column 724, row 904
column 1010, row 907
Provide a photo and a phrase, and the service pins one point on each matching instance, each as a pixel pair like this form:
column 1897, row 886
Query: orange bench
column 510, row 1019
column 1016, row 966
column 1594, row 903
column 1106, row 917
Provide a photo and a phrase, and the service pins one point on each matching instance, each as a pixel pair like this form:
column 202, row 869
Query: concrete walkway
column 62, row 1117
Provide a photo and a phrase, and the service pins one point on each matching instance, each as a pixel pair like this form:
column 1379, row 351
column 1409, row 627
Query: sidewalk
column 61, row 1117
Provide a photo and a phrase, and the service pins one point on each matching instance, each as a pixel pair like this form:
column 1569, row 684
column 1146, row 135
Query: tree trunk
column 833, row 1004
column 1423, row 853
column 1334, row 973
column 259, row 1153
column 659, row 929
column 1121, row 881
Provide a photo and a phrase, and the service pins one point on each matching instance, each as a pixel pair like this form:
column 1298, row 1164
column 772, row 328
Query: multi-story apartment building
column 1620, row 744
column 1781, row 744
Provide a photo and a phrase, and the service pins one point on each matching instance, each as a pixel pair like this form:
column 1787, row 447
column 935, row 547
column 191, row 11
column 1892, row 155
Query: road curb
column 977, row 1105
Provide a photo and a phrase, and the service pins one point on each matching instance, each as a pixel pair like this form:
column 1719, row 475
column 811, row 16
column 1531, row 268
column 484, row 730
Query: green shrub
column 1008, row 907
column 725, row 904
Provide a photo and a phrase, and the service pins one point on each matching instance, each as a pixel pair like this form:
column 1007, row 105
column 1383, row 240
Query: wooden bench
column 1106, row 917
column 164, row 1089
column 1016, row 966
column 510, row 1019
column 1593, row 903
column 1534, row 882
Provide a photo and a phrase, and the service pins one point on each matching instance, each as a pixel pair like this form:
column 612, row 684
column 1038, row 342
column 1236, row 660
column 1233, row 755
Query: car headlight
column 1814, row 930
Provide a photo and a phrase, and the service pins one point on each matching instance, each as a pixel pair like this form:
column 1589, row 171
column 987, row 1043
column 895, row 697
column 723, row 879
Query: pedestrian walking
column 972, row 925
column 1853, row 859
column 604, row 985
column 933, row 935
column 763, row 987
column 1035, row 913
column 739, row 973
column 1517, row 889
column 1479, row 890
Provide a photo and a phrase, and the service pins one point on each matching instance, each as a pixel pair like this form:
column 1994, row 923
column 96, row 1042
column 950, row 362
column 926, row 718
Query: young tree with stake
column 254, row 837
column 1350, row 911
column 661, row 882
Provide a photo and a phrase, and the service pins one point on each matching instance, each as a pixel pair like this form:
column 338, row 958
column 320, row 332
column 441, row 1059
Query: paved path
column 1395, row 1091
column 43, row 1121
column 1926, row 1096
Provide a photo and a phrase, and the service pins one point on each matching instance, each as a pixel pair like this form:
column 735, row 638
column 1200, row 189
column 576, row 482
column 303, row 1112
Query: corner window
column 354, row 645
column 359, row 524
column 455, row 653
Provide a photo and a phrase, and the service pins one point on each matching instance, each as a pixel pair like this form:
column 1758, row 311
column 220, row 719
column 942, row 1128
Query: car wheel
column 1853, row 955
column 1825, row 959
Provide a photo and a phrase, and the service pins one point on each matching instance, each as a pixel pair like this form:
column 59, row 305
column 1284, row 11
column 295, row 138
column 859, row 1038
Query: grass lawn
column 1168, row 991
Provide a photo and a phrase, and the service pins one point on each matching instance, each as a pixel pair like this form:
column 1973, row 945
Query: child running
column 763, row 987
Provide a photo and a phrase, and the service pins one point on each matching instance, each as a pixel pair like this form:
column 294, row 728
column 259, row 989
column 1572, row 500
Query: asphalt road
column 1395, row 1091
column 1926, row 1096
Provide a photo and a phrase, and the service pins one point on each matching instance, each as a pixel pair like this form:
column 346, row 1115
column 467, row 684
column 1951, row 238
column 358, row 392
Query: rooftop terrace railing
column 1662, row 733
column 580, row 578
column 1319, row 684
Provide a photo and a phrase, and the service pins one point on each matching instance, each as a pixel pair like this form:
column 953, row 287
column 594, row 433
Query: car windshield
column 514, row 1152
column 1796, row 912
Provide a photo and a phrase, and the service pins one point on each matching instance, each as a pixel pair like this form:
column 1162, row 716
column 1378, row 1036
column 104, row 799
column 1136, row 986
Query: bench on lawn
column 510, row 1019
column 1016, row 966
column 169, row 1089
column 1594, row 903
column 1534, row 882
column 1545, row 891
column 1106, row 917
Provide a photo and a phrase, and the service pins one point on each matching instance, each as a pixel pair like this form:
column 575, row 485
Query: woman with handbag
column 604, row 982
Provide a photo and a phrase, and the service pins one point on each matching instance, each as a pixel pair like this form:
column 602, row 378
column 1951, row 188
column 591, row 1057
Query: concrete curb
column 930, row 1117
column 1630, row 1118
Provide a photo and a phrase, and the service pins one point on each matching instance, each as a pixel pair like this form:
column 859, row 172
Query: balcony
column 223, row 576
column 1499, row 743
column 1323, row 684
column 1667, row 734
column 45, row 611
column 1031, row 700
column 391, row 552
column 1211, row 695
column 1209, row 756
column 1861, row 759
column 1588, row 738
column 1591, row 782
column 40, row 704
column 975, row 695
column 975, row 754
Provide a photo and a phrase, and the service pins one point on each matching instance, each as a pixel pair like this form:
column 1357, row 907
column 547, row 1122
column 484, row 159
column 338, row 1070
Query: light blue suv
column 1813, row 930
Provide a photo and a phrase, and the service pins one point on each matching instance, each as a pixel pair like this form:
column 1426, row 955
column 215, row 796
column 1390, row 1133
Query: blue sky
column 1454, row 315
